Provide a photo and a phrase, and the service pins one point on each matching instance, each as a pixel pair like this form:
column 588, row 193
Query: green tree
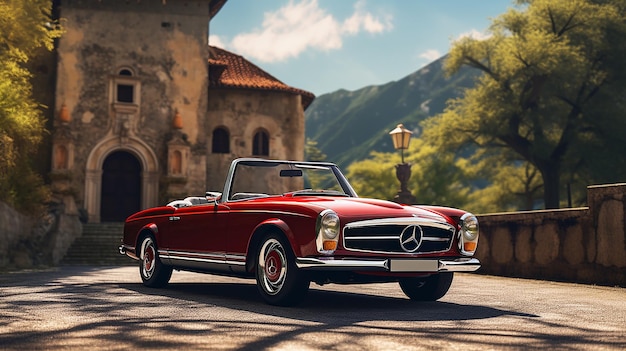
column 312, row 152
column 25, row 26
column 510, row 186
column 545, row 68
column 374, row 177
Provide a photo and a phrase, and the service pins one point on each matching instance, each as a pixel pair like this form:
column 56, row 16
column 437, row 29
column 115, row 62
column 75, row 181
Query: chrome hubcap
column 148, row 258
column 273, row 266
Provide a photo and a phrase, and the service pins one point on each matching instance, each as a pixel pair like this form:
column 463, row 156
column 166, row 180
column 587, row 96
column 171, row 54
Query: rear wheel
column 153, row 273
column 278, row 279
column 430, row 288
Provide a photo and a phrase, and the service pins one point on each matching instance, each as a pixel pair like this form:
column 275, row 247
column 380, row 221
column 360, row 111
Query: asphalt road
column 106, row 308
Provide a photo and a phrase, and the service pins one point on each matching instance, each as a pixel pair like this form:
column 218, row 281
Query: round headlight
column 330, row 225
column 470, row 227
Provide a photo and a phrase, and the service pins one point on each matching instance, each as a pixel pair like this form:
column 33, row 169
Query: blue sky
column 325, row 45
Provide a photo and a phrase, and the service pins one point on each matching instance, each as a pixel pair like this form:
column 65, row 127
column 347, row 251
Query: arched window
column 261, row 143
column 221, row 141
column 125, row 90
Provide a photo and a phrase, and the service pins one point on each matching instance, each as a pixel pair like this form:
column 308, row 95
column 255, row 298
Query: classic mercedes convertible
column 289, row 223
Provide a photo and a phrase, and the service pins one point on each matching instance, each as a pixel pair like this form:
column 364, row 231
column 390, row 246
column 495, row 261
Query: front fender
column 263, row 227
column 150, row 228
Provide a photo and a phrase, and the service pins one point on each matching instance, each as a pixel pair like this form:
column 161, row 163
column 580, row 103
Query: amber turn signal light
column 330, row 245
column 469, row 246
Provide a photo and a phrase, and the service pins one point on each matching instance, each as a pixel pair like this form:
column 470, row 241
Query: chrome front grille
column 398, row 235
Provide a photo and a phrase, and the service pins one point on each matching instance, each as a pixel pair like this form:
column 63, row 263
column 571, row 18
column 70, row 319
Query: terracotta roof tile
column 228, row 70
column 215, row 6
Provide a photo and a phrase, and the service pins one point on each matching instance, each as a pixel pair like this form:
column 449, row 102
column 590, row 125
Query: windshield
column 267, row 178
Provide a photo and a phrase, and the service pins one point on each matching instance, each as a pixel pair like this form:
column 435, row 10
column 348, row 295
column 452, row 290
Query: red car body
column 287, row 235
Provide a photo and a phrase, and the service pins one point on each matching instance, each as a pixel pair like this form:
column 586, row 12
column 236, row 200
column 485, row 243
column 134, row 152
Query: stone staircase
column 98, row 246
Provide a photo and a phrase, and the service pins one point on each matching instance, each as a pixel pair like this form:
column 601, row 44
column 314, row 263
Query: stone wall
column 27, row 242
column 242, row 112
column 586, row 245
column 12, row 227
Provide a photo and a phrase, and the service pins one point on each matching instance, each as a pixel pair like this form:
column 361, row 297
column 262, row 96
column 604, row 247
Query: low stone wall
column 586, row 245
column 27, row 242
column 13, row 225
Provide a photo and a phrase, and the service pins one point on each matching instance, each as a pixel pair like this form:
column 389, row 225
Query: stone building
column 146, row 111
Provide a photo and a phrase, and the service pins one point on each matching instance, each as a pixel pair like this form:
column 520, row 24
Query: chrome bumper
column 124, row 251
column 395, row 265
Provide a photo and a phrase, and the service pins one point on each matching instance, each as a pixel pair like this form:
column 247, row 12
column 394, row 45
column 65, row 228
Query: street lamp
column 401, row 138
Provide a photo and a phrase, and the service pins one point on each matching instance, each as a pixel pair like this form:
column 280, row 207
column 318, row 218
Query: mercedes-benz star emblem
column 411, row 238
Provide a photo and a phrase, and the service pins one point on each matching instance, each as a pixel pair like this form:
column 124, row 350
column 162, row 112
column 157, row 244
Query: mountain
column 348, row 125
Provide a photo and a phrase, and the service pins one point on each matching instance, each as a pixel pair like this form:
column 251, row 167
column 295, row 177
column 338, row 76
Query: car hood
column 354, row 209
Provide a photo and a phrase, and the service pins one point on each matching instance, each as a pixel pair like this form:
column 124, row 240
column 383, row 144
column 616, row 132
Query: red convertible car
column 289, row 223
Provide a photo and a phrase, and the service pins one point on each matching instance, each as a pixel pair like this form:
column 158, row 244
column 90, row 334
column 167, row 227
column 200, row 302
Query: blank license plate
column 414, row 265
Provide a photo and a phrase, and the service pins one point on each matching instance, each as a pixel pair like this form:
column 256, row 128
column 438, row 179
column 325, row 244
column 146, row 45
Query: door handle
column 174, row 218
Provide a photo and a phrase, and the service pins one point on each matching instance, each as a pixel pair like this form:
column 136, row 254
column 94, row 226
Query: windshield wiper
column 317, row 192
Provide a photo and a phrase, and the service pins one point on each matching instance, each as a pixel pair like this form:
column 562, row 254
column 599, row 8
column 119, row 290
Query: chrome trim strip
column 211, row 257
column 430, row 238
column 459, row 265
column 331, row 263
column 272, row 212
column 445, row 265
column 396, row 237
column 236, row 260
column 232, row 257
column 194, row 259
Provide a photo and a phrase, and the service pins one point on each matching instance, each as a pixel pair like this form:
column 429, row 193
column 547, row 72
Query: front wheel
column 431, row 288
column 278, row 279
column 154, row 274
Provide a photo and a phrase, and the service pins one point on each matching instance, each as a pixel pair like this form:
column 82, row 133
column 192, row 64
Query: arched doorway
column 121, row 187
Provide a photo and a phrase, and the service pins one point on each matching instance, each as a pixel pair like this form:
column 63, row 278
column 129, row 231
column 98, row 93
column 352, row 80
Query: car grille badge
column 411, row 238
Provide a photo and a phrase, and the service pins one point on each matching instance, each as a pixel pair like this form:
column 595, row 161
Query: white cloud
column 474, row 34
column 430, row 55
column 215, row 40
column 299, row 26
column 362, row 20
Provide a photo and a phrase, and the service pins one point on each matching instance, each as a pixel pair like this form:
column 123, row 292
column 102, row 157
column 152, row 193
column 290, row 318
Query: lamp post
column 401, row 138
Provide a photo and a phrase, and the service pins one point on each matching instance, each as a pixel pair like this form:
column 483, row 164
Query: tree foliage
column 25, row 26
column 551, row 91
column 479, row 183
column 312, row 152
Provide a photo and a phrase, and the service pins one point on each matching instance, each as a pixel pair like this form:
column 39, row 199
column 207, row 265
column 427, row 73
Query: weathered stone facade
column 243, row 113
column 135, row 114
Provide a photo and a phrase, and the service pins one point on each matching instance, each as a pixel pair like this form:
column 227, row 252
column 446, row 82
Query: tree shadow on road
column 118, row 314
column 323, row 306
